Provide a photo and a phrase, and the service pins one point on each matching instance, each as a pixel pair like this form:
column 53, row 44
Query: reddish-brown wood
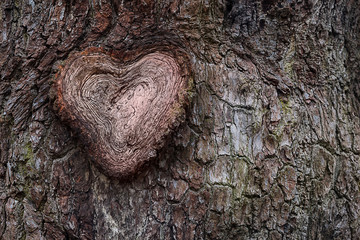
column 123, row 110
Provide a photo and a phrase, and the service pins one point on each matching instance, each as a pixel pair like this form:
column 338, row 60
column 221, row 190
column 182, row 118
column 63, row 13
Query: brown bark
column 269, row 149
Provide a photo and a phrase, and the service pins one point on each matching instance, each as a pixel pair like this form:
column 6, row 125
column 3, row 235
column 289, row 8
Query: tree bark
column 269, row 148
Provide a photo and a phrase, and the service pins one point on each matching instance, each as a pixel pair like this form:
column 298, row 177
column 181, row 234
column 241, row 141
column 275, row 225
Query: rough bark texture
column 269, row 150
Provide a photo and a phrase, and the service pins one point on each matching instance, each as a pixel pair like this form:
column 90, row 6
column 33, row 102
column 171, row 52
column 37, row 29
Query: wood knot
column 123, row 104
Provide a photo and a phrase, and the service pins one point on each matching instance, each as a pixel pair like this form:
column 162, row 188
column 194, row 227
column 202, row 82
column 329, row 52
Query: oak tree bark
column 269, row 148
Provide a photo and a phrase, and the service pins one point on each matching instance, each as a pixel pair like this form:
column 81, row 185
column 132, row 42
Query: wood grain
column 122, row 110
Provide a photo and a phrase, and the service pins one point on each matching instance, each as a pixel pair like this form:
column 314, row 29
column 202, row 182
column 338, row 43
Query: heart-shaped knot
column 122, row 110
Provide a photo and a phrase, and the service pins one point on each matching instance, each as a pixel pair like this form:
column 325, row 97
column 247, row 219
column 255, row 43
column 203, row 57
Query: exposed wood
column 123, row 112
column 269, row 147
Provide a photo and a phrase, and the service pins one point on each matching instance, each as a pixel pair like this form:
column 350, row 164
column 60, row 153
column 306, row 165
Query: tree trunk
column 269, row 148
